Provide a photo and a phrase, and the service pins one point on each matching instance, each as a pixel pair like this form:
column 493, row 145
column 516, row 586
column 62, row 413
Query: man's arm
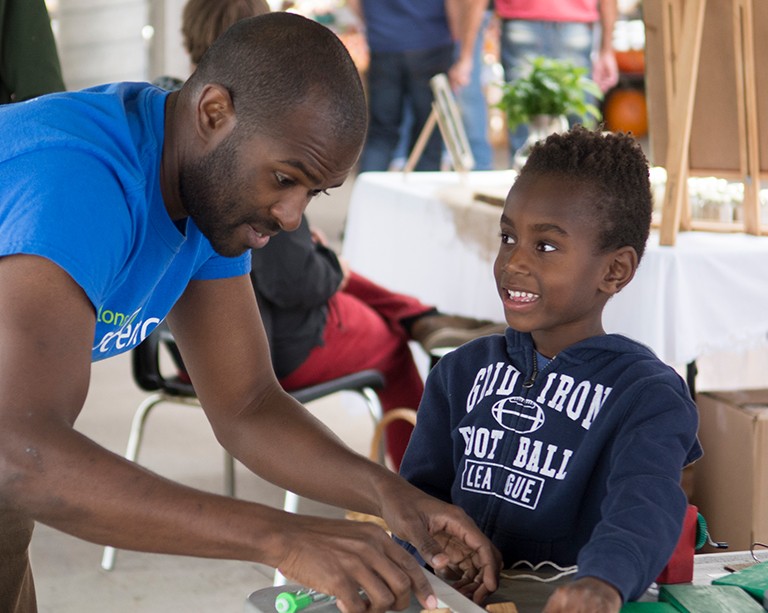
column 605, row 70
column 273, row 435
column 53, row 474
column 464, row 18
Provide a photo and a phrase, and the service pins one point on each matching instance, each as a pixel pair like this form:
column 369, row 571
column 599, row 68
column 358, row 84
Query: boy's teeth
column 525, row 296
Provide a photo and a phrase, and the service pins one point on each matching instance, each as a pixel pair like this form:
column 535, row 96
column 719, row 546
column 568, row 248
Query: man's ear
column 215, row 113
column 622, row 265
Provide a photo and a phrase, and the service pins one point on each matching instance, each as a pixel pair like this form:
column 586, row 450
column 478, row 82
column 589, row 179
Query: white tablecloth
column 423, row 234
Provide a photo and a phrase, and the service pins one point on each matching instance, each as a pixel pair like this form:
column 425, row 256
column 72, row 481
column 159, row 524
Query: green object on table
column 648, row 607
column 709, row 599
column 290, row 602
column 753, row 580
column 702, row 532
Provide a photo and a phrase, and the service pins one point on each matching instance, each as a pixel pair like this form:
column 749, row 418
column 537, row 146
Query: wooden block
column 501, row 607
column 442, row 610
column 709, row 599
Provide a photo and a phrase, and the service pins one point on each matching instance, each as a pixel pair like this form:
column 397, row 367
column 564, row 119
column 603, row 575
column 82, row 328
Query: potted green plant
column 548, row 92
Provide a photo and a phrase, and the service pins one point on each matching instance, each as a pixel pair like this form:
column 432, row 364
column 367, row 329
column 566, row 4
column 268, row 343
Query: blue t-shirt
column 405, row 25
column 80, row 177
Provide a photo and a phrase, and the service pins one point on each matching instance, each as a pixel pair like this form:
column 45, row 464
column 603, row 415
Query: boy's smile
column 552, row 281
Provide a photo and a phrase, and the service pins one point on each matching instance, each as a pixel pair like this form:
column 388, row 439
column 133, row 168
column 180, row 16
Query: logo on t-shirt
column 518, row 414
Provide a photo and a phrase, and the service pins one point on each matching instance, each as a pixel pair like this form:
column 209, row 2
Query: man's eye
column 283, row 180
column 317, row 192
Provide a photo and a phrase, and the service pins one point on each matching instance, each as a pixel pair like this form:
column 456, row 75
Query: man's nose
column 289, row 212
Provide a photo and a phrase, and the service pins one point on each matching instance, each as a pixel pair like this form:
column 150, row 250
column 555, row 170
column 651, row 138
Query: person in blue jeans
column 561, row 29
column 473, row 104
column 409, row 43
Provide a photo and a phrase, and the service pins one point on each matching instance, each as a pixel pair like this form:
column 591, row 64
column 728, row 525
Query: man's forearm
column 608, row 13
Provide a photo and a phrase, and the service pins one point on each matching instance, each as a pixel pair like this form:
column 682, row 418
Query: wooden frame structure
column 445, row 113
column 703, row 91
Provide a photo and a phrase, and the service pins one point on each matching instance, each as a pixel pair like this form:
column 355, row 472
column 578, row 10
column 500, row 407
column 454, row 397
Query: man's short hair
column 273, row 63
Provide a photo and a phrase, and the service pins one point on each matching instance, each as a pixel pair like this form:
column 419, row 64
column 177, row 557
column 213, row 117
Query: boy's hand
column 585, row 595
column 448, row 540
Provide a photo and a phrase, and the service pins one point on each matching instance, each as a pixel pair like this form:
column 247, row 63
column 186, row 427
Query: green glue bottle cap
column 290, row 602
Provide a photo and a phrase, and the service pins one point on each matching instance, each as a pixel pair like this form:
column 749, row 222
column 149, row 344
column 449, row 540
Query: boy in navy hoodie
column 564, row 443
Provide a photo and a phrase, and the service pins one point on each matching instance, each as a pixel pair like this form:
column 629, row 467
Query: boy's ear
column 622, row 265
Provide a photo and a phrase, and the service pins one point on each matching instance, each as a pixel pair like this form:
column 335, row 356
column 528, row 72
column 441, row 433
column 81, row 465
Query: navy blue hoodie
column 579, row 465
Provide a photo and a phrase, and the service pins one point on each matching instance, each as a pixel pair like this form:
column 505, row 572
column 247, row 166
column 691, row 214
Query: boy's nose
column 516, row 262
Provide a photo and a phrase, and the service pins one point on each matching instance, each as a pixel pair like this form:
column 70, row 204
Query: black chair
column 146, row 368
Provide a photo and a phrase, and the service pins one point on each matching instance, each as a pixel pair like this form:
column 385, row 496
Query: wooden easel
column 445, row 114
column 685, row 31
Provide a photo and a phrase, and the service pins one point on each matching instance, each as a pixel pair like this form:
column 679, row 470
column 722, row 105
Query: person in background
column 324, row 321
column 565, row 444
column 144, row 204
column 472, row 102
column 580, row 31
column 29, row 62
column 409, row 43
column 202, row 22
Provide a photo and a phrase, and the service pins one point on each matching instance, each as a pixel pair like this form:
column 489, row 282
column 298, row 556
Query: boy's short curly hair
column 614, row 170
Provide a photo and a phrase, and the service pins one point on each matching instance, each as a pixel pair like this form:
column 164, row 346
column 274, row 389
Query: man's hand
column 605, row 70
column 342, row 557
column 448, row 540
column 585, row 595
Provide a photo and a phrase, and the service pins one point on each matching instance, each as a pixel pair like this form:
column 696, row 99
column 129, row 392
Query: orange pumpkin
column 631, row 61
column 625, row 110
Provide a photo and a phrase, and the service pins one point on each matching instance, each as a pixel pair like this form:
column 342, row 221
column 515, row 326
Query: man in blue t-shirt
column 122, row 205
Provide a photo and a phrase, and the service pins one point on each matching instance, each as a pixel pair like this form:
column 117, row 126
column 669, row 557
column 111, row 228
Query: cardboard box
column 731, row 480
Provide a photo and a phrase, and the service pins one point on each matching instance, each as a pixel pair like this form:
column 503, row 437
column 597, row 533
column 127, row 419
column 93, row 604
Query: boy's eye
column 546, row 247
column 317, row 192
column 507, row 239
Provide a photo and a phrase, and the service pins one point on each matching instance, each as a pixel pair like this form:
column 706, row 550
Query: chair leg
column 373, row 402
column 374, row 408
column 132, row 453
column 229, row 474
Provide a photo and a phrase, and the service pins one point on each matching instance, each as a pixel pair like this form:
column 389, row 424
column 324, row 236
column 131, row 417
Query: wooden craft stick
column 501, row 607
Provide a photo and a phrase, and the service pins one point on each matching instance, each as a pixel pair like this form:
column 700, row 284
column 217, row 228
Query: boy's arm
column 429, row 462
column 643, row 510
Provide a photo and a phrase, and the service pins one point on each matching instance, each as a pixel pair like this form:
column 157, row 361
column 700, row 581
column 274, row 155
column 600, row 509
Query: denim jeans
column 474, row 106
column 522, row 40
column 394, row 79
